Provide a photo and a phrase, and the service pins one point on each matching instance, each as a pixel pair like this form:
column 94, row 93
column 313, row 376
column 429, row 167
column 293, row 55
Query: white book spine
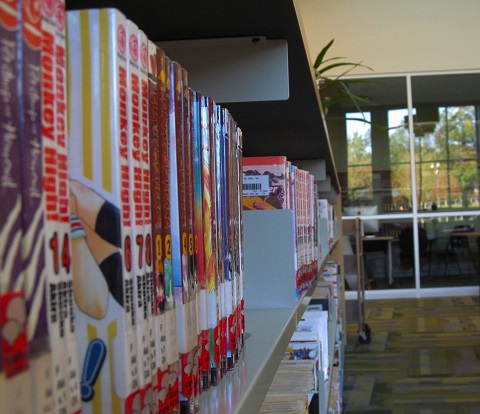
column 136, row 203
column 101, row 212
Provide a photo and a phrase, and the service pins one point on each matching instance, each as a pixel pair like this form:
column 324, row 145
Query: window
column 375, row 167
column 447, row 159
column 359, row 157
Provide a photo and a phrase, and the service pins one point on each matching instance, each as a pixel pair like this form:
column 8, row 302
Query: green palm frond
column 334, row 90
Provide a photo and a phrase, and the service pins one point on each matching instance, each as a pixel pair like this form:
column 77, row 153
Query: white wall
column 396, row 36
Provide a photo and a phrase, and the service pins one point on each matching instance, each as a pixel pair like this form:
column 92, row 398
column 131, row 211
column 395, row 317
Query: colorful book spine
column 216, row 298
column 204, row 239
column 239, row 238
column 14, row 364
column 184, row 283
column 56, row 247
column 167, row 124
column 188, row 365
column 220, row 234
column 209, row 231
column 101, row 213
column 228, row 197
column 134, row 112
column 157, row 241
column 177, row 221
column 199, row 260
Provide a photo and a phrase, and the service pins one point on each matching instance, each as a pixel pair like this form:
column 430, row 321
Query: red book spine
column 177, row 219
column 158, row 299
column 166, row 345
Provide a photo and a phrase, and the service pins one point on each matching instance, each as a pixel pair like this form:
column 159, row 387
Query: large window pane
column 446, row 141
column 378, row 176
column 401, row 177
column 372, row 154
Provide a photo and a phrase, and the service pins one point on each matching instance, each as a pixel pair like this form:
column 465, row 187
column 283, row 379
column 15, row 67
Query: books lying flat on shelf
column 287, row 404
column 295, row 377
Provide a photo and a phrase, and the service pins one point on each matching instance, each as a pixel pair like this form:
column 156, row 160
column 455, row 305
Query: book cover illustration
column 101, row 213
column 264, row 183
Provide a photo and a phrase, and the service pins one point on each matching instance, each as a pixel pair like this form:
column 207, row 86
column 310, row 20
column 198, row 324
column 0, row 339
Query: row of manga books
column 121, row 262
column 273, row 182
column 38, row 353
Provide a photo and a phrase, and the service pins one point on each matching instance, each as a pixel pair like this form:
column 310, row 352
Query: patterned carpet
column 423, row 358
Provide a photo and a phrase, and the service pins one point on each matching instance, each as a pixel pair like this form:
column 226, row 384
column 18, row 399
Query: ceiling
column 451, row 89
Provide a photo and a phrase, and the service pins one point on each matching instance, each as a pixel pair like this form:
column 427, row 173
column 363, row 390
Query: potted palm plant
column 336, row 90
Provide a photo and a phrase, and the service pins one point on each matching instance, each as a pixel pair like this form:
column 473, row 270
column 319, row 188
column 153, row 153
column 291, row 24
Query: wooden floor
column 423, row 357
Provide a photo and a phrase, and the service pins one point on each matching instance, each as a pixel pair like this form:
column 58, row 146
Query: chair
column 374, row 250
column 407, row 246
column 458, row 244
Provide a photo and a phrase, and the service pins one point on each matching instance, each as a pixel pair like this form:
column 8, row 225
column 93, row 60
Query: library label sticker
column 256, row 185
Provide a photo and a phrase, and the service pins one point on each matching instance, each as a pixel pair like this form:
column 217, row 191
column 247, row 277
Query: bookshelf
column 272, row 318
column 293, row 127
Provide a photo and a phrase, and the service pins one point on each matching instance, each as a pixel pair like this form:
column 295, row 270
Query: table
column 389, row 240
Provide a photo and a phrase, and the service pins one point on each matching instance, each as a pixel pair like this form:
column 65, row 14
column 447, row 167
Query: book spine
column 218, row 237
column 14, row 364
column 136, row 204
column 214, row 272
column 101, row 218
column 232, row 187
column 224, row 242
column 158, row 299
column 168, row 342
column 147, row 210
column 177, row 222
column 32, row 205
column 179, row 211
column 198, row 237
column 190, row 324
column 205, row 240
column 63, row 200
column 241, row 317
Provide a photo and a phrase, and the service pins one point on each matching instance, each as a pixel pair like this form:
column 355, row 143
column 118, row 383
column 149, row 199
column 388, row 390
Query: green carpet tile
column 423, row 358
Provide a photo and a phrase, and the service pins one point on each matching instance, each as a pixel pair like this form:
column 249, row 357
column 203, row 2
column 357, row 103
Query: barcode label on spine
column 256, row 185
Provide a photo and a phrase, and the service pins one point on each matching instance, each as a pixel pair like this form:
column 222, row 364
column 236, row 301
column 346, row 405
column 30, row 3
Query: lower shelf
column 268, row 332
